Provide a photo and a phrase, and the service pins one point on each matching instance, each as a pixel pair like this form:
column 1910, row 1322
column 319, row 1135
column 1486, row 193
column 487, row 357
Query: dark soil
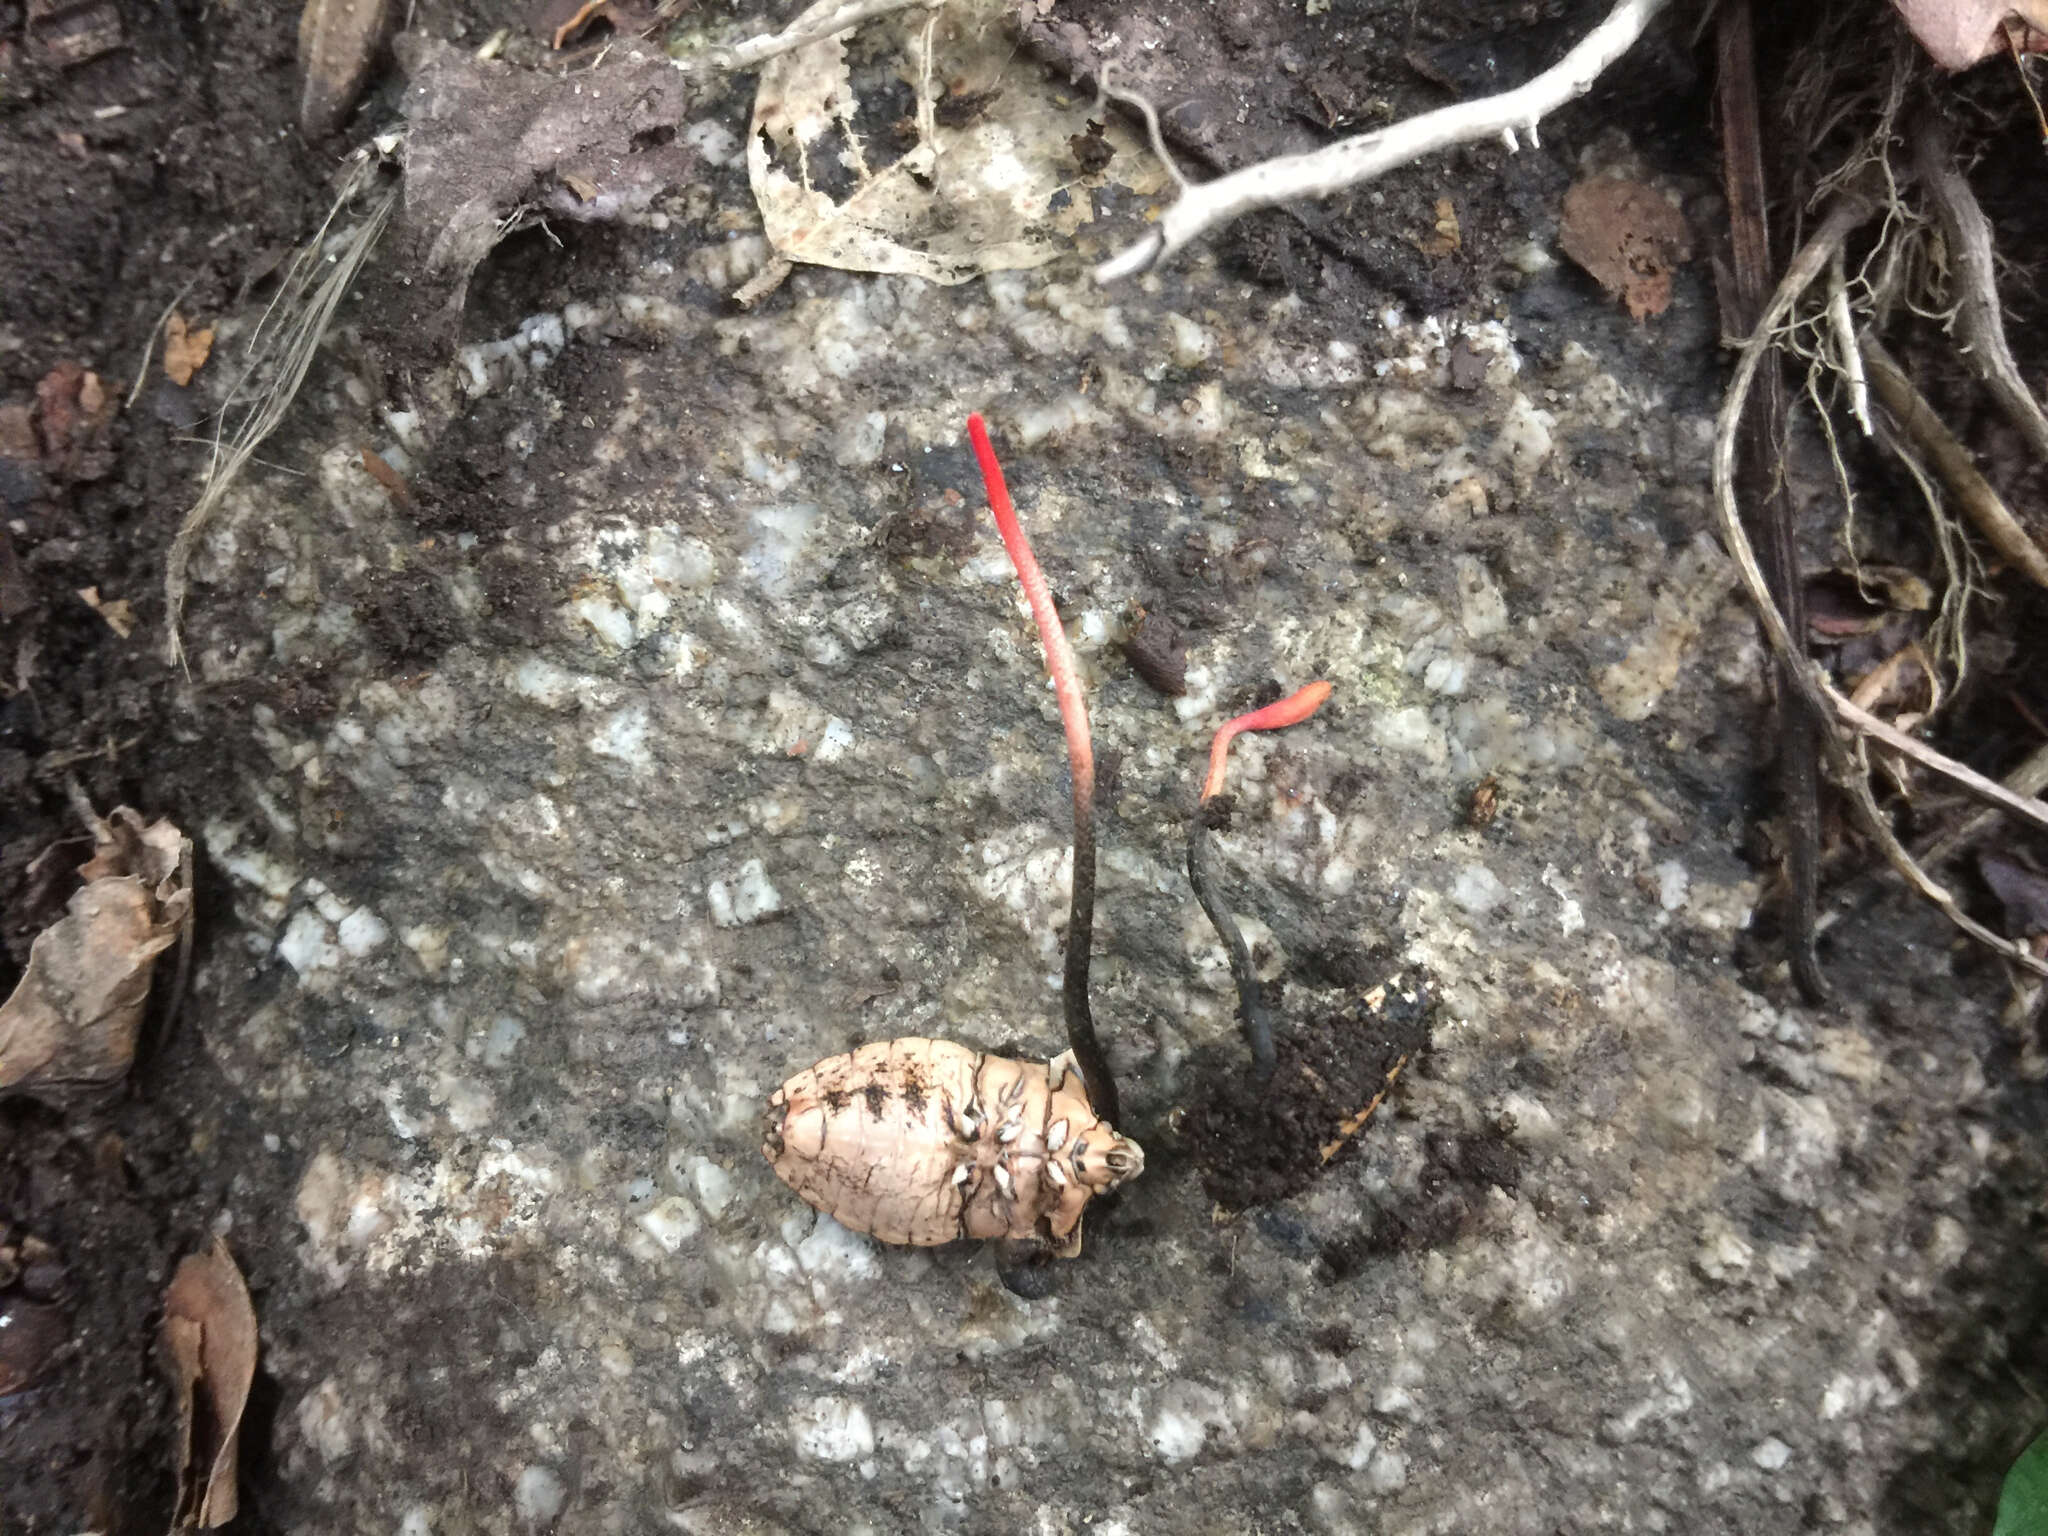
column 150, row 170
column 1257, row 1143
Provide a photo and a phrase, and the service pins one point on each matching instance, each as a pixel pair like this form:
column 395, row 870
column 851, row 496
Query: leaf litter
column 1629, row 238
column 855, row 167
column 73, row 1018
column 186, row 348
column 209, row 1337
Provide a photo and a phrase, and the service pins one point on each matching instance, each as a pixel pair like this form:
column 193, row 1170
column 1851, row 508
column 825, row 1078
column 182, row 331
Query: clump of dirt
column 939, row 527
column 1257, row 1144
column 1458, row 1171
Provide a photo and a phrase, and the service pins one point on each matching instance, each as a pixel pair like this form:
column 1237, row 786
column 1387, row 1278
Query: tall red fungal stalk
column 1059, row 656
column 1066, row 683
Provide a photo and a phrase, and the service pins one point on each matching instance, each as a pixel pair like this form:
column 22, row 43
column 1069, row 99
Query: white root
column 1350, row 161
column 1847, row 355
column 1978, row 322
column 801, row 34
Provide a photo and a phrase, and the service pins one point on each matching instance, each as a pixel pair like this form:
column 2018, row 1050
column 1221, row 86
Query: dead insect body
column 925, row 1142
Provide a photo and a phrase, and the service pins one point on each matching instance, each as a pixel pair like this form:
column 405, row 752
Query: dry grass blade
column 1990, row 791
column 280, row 352
column 2030, row 778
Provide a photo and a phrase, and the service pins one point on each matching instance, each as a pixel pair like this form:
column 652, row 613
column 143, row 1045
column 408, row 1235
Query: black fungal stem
column 1074, row 983
column 1251, row 1005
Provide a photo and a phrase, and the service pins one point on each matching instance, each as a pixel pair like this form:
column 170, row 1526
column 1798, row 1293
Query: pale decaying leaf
column 210, row 1339
column 73, row 1017
column 1959, row 33
column 965, row 197
column 117, row 611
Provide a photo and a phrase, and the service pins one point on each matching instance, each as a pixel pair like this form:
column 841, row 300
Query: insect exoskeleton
column 925, row 1141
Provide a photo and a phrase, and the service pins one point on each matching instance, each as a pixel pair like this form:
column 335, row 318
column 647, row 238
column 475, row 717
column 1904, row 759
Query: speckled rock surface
column 686, row 727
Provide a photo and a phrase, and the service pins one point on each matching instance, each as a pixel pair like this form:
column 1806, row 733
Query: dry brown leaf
column 379, row 469
column 185, row 350
column 851, row 182
column 210, row 1337
column 1629, row 238
column 1959, row 33
column 118, row 612
column 74, row 1015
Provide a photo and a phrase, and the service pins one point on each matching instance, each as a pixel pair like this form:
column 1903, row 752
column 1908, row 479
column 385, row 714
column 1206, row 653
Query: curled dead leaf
column 1959, row 33
column 185, row 348
column 1629, row 238
column 1445, row 236
column 338, row 42
column 73, row 411
column 209, row 1336
column 74, row 1015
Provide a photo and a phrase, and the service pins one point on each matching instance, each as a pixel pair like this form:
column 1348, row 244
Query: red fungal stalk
column 1066, row 683
column 1251, row 1008
column 1059, row 656
column 1292, row 710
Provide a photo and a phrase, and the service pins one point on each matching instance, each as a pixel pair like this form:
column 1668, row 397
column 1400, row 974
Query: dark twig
column 1213, row 811
column 1066, row 683
column 1762, row 477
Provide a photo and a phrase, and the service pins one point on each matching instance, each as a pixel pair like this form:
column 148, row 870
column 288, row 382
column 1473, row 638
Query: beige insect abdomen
column 924, row 1141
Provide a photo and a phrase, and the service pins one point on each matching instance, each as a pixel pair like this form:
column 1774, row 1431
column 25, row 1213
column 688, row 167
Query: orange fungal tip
column 1292, row 710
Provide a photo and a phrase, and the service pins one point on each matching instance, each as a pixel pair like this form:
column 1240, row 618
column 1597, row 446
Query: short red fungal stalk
column 1296, row 707
column 1292, row 710
column 1066, row 683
